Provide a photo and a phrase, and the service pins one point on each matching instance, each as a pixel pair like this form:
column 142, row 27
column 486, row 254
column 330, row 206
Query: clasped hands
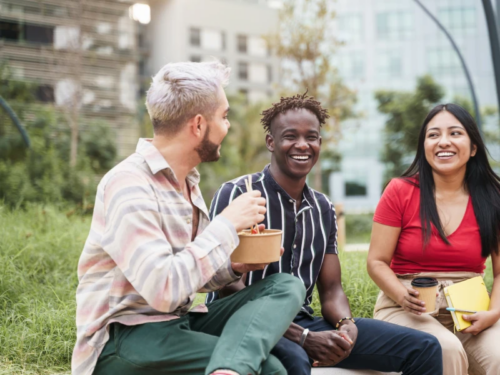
column 328, row 348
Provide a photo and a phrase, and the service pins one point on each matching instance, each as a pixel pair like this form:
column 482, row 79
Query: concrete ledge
column 341, row 371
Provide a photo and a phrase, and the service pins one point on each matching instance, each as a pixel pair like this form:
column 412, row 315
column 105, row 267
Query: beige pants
column 462, row 353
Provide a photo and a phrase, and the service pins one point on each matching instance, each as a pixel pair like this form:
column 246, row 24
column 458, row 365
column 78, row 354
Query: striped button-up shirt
column 309, row 232
column 139, row 264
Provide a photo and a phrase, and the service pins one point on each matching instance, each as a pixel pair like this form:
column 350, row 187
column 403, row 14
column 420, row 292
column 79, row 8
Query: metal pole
column 498, row 15
column 16, row 121
column 494, row 43
column 462, row 61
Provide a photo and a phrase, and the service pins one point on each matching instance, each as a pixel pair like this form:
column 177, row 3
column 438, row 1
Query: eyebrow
column 227, row 110
column 449, row 127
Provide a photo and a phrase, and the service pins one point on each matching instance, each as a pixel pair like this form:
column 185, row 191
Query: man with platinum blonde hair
column 152, row 247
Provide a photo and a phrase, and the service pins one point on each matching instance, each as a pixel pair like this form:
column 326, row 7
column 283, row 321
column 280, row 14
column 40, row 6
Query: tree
column 405, row 113
column 306, row 45
column 42, row 173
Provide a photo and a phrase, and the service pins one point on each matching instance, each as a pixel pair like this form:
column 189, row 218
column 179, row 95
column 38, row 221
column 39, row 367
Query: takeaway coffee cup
column 427, row 288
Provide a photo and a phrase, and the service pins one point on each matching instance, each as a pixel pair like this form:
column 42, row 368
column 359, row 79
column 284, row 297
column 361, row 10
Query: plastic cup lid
column 424, row 282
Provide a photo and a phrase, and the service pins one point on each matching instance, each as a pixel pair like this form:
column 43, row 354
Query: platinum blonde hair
column 180, row 91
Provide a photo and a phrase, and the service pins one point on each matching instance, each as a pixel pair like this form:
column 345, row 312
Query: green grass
column 39, row 251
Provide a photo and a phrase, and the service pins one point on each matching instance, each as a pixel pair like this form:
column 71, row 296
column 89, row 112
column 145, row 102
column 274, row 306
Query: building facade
column 388, row 44
column 82, row 53
column 229, row 30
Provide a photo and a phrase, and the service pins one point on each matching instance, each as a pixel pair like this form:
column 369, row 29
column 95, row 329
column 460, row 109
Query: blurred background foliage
column 42, row 173
column 406, row 112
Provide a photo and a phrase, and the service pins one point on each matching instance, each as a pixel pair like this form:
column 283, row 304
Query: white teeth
column 445, row 154
column 300, row 157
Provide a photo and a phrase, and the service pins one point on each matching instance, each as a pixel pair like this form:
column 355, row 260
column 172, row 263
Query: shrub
column 42, row 172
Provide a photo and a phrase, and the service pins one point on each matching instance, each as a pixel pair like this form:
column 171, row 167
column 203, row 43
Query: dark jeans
column 380, row 346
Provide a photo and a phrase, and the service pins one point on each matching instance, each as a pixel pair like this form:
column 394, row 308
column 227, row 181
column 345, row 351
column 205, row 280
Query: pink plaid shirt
column 139, row 264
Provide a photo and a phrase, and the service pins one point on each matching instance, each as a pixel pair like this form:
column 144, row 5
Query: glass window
column 212, row 39
column 257, row 73
column 45, row 93
column 39, row 34
column 458, row 20
column 242, row 43
column 443, row 61
column 257, row 46
column 195, row 37
column 350, row 27
column 243, row 71
column 352, row 65
column 389, row 64
column 355, row 180
column 10, row 30
column 14, row 31
column 394, row 25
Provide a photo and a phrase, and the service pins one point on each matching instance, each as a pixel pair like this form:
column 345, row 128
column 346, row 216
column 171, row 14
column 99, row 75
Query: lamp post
column 10, row 112
column 494, row 41
column 462, row 61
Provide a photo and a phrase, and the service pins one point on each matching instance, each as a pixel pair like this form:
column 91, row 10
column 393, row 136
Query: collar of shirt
column 307, row 198
column 156, row 162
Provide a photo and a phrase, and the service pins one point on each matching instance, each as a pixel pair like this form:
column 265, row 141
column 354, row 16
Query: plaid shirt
column 139, row 264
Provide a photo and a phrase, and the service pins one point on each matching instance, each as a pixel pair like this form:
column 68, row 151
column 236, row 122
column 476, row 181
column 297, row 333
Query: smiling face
column 295, row 142
column 447, row 145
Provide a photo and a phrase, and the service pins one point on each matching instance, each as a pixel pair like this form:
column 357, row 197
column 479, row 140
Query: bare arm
column 329, row 347
column 334, row 303
column 382, row 245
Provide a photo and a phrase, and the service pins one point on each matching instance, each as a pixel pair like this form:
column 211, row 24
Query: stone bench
column 341, row 371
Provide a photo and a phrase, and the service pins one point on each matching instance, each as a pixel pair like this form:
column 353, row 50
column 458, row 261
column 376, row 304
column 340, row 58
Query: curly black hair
column 293, row 102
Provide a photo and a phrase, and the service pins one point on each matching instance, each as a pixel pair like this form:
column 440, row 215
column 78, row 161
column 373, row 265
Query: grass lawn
column 39, row 251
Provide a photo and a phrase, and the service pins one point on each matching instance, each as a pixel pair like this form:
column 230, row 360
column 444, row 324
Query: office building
column 229, row 30
column 81, row 54
column 388, row 44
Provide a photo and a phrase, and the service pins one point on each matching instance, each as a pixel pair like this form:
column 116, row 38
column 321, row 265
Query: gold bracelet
column 341, row 320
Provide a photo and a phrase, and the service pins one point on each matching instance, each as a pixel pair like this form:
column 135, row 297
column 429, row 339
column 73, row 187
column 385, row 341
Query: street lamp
column 494, row 42
column 140, row 13
column 462, row 61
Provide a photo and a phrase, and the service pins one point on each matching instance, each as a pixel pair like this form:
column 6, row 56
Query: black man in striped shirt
column 308, row 221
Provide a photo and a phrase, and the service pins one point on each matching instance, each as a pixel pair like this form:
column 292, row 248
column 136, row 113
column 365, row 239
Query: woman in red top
column 441, row 219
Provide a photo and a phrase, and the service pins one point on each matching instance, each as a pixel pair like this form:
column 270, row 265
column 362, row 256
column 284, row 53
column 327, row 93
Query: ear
column 474, row 150
column 197, row 126
column 270, row 142
column 320, row 140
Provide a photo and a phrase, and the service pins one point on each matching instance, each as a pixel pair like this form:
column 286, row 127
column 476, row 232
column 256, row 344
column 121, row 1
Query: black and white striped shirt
column 308, row 233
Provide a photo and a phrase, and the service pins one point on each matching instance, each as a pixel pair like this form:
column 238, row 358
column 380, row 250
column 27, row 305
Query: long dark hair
column 482, row 183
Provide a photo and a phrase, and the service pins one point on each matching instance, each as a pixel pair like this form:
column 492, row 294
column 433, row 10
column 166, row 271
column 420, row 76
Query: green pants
column 236, row 334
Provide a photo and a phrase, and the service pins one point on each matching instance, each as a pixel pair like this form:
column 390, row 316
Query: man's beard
column 207, row 150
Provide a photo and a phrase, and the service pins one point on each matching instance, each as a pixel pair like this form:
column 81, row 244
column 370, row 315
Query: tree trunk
column 73, row 155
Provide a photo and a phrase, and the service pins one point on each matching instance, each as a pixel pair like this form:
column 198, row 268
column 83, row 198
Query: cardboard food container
column 258, row 248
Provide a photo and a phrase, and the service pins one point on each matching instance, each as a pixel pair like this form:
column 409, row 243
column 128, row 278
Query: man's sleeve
column 134, row 239
column 331, row 247
column 222, row 198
